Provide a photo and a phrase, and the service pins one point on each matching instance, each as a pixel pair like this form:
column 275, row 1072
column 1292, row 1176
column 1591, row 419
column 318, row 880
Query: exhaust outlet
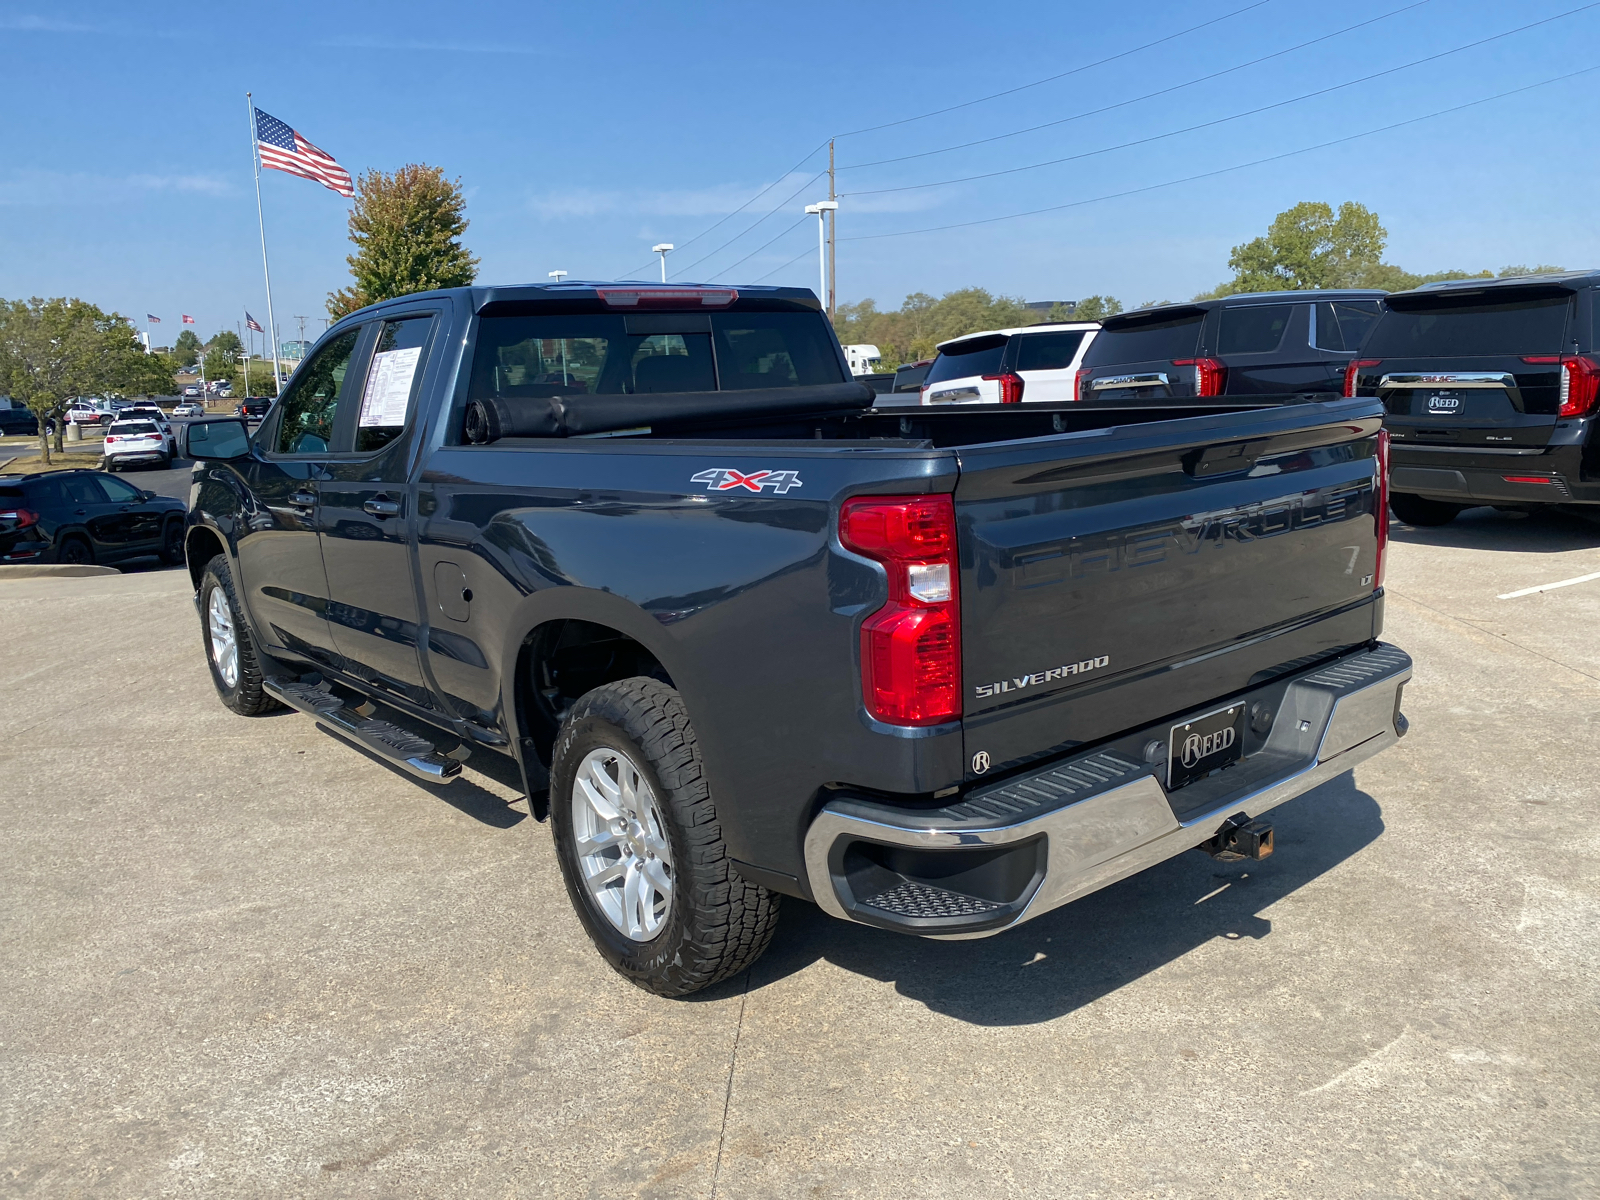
column 1239, row 838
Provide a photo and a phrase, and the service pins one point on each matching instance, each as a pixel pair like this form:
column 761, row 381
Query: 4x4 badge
column 726, row 479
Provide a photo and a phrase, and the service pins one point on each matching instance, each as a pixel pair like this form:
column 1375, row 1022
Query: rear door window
column 1047, row 351
column 1343, row 325
column 1147, row 340
column 980, row 356
column 389, row 394
column 1253, row 328
column 1465, row 328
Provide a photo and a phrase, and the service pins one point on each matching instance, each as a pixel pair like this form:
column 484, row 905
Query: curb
column 52, row 571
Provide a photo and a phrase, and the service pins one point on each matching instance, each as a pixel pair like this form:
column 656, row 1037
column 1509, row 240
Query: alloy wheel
column 224, row 641
column 623, row 851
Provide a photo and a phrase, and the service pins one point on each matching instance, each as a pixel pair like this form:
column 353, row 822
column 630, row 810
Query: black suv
column 1254, row 343
column 78, row 516
column 253, row 408
column 1491, row 391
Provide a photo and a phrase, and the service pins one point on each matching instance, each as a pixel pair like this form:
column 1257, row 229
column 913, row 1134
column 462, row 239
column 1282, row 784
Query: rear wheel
column 230, row 647
column 76, row 551
column 1419, row 510
column 640, row 846
column 172, row 542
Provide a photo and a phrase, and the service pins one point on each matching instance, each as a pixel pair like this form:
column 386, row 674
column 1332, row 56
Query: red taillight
column 667, row 297
column 1080, row 383
column 1355, row 368
column 1580, row 385
column 1527, row 479
column 1010, row 387
column 22, row 516
column 1210, row 375
column 110, row 437
column 1380, row 488
column 911, row 647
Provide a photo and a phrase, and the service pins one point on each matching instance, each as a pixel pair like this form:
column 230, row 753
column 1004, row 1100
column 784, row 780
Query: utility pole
column 833, row 232
column 302, row 321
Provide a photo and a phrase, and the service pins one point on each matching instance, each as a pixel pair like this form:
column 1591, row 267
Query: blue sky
column 584, row 133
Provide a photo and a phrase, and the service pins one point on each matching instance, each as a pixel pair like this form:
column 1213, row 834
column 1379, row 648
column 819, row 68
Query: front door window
column 312, row 401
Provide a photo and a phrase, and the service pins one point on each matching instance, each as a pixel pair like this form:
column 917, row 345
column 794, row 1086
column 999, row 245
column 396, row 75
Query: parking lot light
column 822, row 208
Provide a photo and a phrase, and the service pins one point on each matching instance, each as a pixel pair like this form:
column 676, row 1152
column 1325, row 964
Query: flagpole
column 261, row 221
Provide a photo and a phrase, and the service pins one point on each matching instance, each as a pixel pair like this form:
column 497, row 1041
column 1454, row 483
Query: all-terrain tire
column 245, row 695
column 1419, row 510
column 718, row 923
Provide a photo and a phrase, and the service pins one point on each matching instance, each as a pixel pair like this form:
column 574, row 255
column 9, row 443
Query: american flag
column 155, row 320
column 282, row 149
column 187, row 319
column 250, row 323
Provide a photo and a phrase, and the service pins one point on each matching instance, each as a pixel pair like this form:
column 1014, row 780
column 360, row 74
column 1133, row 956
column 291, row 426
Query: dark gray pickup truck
column 744, row 636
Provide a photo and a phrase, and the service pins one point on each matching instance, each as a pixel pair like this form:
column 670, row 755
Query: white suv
column 138, row 441
column 1009, row 366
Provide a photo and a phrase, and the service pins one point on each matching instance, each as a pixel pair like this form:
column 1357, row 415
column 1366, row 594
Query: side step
column 411, row 754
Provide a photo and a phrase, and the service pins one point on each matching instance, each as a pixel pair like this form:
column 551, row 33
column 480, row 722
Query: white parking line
column 1548, row 587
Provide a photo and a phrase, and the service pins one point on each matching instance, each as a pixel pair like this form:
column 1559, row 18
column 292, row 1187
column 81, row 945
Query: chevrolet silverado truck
column 745, row 637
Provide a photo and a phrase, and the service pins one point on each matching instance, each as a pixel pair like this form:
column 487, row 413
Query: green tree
column 187, row 348
column 1309, row 246
column 54, row 350
column 914, row 330
column 227, row 341
column 1542, row 269
column 1096, row 308
column 407, row 229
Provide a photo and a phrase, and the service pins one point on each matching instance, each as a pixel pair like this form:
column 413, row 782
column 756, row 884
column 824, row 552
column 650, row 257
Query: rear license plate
column 1200, row 746
column 1444, row 402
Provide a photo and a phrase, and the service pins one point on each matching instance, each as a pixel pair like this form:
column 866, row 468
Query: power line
column 785, row 266
column 924, row 116
column 1094, row 112
column 750, row 228
column 741, row 208
column 1232, row 117
column 1226, row 170
column 939, row 112
column 803, row 219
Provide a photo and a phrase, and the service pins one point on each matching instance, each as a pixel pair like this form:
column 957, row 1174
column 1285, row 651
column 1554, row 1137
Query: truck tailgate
column 1112, row 577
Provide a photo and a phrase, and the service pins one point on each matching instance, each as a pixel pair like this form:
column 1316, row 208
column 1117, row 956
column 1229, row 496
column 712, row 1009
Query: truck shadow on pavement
column 1063, row 960
column 1547, row 532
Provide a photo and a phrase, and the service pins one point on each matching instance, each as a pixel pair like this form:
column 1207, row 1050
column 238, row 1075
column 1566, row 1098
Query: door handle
column 382, row 508
column 303, row 499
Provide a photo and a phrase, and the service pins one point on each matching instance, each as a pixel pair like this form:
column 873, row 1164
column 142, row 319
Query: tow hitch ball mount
column 1240, row 837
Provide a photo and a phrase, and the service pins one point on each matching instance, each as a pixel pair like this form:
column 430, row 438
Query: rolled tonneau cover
column 493, row 417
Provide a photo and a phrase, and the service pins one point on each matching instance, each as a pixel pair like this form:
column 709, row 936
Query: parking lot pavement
column 243, row 959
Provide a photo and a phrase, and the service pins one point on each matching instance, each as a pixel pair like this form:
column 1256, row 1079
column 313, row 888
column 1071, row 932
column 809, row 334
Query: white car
column 139, row 441
column 189, row 409
column 1037, row 363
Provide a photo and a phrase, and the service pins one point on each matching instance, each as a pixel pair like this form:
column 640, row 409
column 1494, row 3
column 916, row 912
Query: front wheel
column 172, row 543
column 230, row 648
column 1419, row 510
column 640, row 846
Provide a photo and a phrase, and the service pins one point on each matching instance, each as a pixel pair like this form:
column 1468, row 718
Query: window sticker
column 389, row 387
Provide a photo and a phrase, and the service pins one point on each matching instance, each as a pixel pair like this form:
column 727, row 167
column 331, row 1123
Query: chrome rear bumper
column 1010, row 851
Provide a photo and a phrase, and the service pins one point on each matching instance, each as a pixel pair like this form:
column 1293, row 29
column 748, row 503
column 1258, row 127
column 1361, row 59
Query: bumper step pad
column 412, row 754
column 923, row 902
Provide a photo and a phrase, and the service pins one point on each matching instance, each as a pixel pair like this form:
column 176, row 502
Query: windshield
column 979, row 356
column 1467, row 328
column 1146, row 340
column 611, row 354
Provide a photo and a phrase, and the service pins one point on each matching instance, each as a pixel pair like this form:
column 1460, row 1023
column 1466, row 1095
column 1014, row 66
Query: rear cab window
column 611, row 354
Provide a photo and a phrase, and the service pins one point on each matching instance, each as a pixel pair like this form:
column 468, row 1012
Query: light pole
column 556, row 275
column 663, row 249
column 244, row 357
column 822, row 208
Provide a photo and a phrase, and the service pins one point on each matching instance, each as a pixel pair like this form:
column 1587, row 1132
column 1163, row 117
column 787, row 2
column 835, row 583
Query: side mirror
column 147, row 495
column 217, row 441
